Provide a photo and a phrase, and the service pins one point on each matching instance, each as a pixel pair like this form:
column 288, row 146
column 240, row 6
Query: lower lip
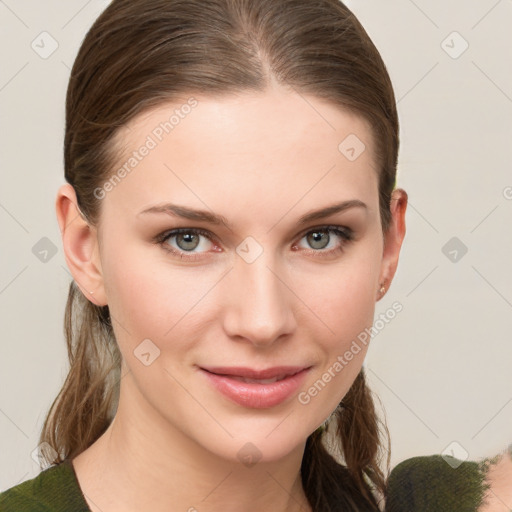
column 254, row 395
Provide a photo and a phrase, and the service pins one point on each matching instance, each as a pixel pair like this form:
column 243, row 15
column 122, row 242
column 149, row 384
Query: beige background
column 443, row 366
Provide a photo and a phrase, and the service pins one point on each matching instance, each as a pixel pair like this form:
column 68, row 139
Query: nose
column 259, row 306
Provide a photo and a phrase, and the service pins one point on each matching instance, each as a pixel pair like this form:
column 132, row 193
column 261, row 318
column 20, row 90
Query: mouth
column 257, row 381
column 266, row 376
column 256, row 388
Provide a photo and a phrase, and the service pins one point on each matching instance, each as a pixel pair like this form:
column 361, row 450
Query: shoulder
column 435, row 482
column 498, row 497
column 54, row 489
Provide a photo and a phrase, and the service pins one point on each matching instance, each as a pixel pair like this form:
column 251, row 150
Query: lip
column 256, row 395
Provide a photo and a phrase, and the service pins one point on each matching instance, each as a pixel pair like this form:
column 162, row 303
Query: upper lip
column 250, row 373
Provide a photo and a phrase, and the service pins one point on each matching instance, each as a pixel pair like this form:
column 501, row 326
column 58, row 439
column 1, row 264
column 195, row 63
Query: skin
column 498, row 497
column 262, row 160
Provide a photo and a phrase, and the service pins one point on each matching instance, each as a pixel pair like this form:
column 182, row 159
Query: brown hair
column 140, row 54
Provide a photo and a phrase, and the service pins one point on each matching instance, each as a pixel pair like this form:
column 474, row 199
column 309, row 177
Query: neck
column 142, row 462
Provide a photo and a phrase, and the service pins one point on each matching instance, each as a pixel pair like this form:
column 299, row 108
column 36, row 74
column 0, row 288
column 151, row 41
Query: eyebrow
column 206, row 216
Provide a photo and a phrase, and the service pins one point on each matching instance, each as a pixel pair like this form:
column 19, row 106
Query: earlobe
column 393, row 239
column 80, row 245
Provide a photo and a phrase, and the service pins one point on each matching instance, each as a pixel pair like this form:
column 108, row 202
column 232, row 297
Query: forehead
column 256, row 150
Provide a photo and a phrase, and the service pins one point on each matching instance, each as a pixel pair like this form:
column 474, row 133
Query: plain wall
column 442, row 366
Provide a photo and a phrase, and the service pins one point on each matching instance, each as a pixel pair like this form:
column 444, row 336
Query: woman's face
column 275, row 271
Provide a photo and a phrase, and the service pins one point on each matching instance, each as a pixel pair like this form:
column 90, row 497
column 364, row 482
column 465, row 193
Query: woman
column 230, row 219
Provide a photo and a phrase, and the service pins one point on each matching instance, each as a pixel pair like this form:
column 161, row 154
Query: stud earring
column 382, row 289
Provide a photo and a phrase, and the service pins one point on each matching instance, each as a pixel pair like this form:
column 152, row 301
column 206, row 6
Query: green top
column 436, row 484
column 421, row 484
column 55, row 489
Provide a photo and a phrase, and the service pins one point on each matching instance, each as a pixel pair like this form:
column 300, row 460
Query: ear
column 393, row 239
column 80, row 244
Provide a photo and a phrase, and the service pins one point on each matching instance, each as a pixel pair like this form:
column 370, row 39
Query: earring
column 382, row 289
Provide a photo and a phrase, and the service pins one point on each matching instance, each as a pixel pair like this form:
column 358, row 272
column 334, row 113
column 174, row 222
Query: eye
column 327, row 239
column 183, row 242
column 192, row 243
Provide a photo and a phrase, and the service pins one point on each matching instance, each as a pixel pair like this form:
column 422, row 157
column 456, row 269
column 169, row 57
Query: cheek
column 344, row 303
column 343, row 296
column 149, row 298
column 346, row 309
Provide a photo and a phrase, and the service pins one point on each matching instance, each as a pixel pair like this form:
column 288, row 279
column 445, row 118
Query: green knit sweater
column 55, row 489
column 420, row 484
column 436, row 484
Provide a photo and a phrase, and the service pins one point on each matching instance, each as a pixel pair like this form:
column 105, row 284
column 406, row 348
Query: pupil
column 316, row 242
column 187, row 239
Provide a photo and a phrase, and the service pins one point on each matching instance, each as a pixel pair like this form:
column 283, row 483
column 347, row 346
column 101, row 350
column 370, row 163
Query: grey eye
column 187, row 241
column 318, row 239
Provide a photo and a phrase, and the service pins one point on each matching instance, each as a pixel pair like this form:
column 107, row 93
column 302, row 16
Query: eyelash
column 345, row 234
